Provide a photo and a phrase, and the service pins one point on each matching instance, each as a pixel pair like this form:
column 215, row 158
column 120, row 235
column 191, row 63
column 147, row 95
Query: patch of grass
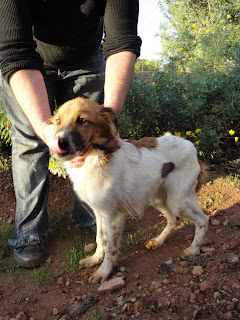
column 43, row 274
column 58, row 217
column 5, row 234
column 96, row 313
column 131, row 240
column 141, row 232
column 5, row 265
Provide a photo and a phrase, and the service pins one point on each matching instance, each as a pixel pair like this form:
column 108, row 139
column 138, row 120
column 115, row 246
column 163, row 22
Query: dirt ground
column 158, row 284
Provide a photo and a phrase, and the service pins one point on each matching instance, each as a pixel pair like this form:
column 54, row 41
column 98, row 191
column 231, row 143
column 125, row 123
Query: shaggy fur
column 163, row 172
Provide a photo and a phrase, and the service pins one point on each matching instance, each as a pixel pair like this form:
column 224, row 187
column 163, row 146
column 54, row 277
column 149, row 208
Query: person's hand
column 114, row 143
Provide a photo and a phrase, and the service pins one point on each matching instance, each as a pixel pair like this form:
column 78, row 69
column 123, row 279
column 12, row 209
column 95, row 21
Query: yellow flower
column 224, row 27
column 178, row 134
column 52, row 164
column 193, row 135
column 198, row 130
column 231, row 132
column 195, row 30
column 181, row 49
column 189, row 133
column 208, row 30
column 177, row 62
column 229, row 16
column 153, row 74
column 236, row 139
column 8, row 123
column 194, row 26
column 137, row 73
column 197, row 143
column 207, row 21
column 179, row 73
column 154, row 84
column 166, row 72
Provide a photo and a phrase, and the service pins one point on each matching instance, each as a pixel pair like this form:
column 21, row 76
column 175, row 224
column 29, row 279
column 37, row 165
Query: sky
column 148, row 25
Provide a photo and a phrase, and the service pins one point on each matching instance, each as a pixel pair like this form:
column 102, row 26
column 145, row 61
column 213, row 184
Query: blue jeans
column 30, row 156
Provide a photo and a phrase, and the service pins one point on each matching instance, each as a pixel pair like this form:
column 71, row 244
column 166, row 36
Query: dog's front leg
column 101, row 240
column 115, row 229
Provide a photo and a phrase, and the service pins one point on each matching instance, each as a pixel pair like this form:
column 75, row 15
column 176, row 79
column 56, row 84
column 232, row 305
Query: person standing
column 50, row 52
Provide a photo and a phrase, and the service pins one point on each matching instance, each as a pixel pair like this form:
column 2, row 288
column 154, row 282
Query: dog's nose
column 55, row 147
column 63, row 143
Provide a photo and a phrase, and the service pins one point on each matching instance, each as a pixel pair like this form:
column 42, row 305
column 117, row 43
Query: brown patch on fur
column 105, row 159
column 147, row 142
column 203, row 174
column 167, row 168
column 162, row 194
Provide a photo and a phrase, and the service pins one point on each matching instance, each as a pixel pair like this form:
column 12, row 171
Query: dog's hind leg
column 191, row 210
column 171, row 224
column 115, row 229
column 101, row 240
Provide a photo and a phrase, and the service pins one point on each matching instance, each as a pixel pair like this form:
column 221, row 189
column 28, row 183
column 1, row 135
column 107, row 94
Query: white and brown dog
column 163, row 172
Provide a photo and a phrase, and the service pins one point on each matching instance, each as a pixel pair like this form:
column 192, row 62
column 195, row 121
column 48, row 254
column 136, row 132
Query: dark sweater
column 60, row 34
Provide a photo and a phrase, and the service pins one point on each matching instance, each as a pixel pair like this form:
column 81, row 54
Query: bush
column 201, row 106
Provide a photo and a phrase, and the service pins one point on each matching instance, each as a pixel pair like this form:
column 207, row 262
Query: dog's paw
column 91, row 261
column 152, row 244
column 190, row 252
column 100, row 275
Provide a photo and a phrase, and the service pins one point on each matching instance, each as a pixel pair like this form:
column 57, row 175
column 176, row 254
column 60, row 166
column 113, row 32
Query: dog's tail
column 203, row 174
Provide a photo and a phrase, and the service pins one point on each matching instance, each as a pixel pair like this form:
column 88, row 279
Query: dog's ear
column 110, row 113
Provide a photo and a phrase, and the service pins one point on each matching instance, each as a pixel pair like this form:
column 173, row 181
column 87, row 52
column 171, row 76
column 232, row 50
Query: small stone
column 192, row 298
column 181, row 270
column 189, row 237
column 226, row 223
column 68, row 283
column 216, row 295
column 236, row 285
column 21, row 316
column 89, row 247
column 215, row 222
column 207, row 242
column 206, row 286
column 227, row 315
column 208, row 251
column 122, row 269
column 111, row 285
column 60, row 280
column 55, row 311
column 197, row 271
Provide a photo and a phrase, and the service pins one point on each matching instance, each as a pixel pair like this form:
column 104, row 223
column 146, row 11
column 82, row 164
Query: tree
column 201, row 33
column 147, row 65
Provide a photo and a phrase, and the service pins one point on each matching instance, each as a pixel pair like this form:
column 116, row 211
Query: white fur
column 130, row 181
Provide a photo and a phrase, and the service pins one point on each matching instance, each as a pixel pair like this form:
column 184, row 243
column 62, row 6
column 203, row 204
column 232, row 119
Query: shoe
column 28, row 257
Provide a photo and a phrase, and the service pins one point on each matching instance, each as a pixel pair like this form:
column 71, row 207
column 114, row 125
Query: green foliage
column 56, row 166
column 147, row 65
column 5, row 127
column 182, row 103
column 200, row 34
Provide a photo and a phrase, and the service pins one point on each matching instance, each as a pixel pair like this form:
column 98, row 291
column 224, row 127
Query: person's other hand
column 114, row 143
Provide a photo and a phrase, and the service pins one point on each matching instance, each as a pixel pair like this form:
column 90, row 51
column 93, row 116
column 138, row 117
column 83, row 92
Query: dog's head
column 81, row 124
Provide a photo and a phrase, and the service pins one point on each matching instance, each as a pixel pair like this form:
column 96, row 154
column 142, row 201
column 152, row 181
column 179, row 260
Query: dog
column 163, row 172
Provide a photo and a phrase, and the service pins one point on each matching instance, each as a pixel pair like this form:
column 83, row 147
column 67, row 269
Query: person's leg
column 30, row 176
column 86, row 82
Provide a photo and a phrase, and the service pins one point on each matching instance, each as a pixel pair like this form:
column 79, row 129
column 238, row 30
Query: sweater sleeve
column 17, row 47
column 120, row 22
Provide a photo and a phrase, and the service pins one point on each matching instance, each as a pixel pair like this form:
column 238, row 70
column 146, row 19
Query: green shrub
column 5, row 128
column 201, row 106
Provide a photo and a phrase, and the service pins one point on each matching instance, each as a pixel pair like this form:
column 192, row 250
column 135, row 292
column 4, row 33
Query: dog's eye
column 80, row 120
column 58, row 121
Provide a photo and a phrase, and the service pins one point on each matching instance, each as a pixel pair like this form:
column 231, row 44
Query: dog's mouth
column 66, row 150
